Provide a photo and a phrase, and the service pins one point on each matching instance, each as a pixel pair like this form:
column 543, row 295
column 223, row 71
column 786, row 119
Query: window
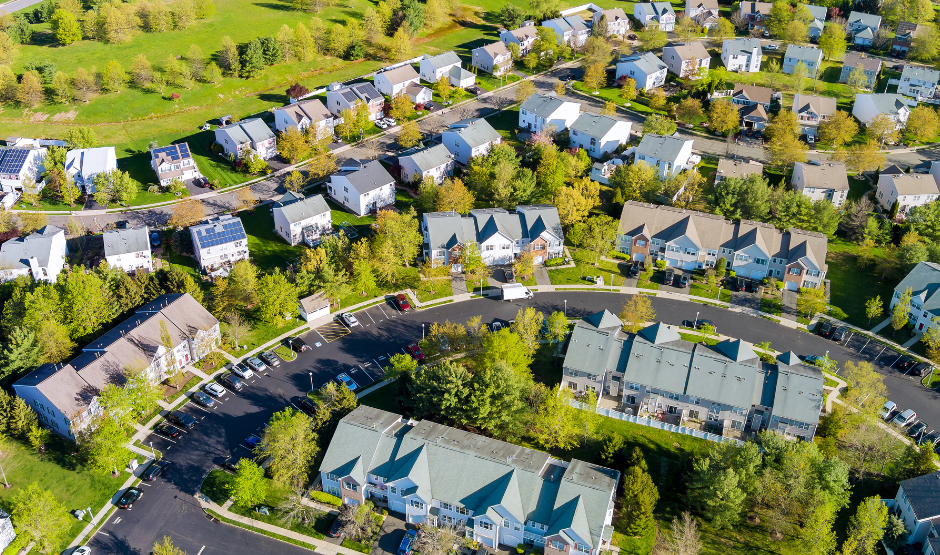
column 417, row 504
column 486, row 525
column 333, row 477
column 462, row 511
column 447, row 506
column 737, row 425
column 693, row 414
column 738, row 410
column 694, row 400
column 631, row 399
column 673, row 396
column 582, row 548
column 488, row 248
column 555, row 544
column 506, row 523
column 350, row 486
column 393, row 490
column 633, row 386
column 640, row 243
column 794, row 271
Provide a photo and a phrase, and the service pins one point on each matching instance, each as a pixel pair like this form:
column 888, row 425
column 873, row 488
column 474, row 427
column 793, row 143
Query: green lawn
column 858, row 187
column 442, row 288
column 852, row 286
column 261, row 333
column 65, row 476
column 217, row 486
column 704, row 290
column 584, row 267
column 612, row 94
column 489, row 82
column 507, row 123
column 268, row 249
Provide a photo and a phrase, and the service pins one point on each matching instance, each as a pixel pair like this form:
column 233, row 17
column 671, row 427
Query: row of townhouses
column 726, row 386
column 65, row 396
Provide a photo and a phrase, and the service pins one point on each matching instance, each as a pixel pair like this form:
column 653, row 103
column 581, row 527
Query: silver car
column 214, row 389
column 242, row 371
column 350, row 319
column 256, row 364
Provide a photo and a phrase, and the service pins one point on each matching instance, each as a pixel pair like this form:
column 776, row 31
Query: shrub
column 837, row 313
column 661, row 264
column 560, row 261
column 326, row 498
column 620, row 255
column 520, row 549
column 175, row 96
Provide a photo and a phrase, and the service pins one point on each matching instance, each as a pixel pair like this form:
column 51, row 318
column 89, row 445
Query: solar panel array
column 230, row 232
column 12, row 160
column 174, row 152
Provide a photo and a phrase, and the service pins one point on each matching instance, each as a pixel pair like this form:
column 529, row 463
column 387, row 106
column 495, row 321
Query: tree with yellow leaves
column 187, row 213
column 575, row 202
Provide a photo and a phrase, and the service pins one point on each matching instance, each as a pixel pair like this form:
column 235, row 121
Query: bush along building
column 495, row 492
column 725, row 388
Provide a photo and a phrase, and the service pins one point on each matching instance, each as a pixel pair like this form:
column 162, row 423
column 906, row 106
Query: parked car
column 242, row 371
column 631, row 36
column 307, row 405
column 839, row 333
column 921, row 369
column 634, row 269
column 904, row 363
column 231, row 463
column 888, row 409
column 750, row 286
column 231, row 382
column 182, row 419
column 739, row 283
column 825, row 328
column 407, row 545
column 296, row 344
column 203, row 399
column 154, row 239
column 256, row 364
column 415, row 351
column 401, row 300
column 510, row 276
column 165, row 429
column 477, row 91
column 252, row 441
column 270, row 358
column 336, row 530
column 929, row 439
column 214, row 389
column 703, row 322
column 905, row 418
column 772, row 47
column 668, row 277
column 129, row 497
column 350, row 319
column 155, row 469
column 347, row 381
column 917, row 429
column 684, row 280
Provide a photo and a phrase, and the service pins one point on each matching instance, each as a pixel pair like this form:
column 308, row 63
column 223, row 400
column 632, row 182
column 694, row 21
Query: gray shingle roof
column 496, row 220
column 688, row 50
column 445, row 59
column 126, row 241
column 460, row 73
column 818, row 12
column 827, row 175
column 803, row 53
column 449, row 229
column 661, row 147
column 924, row 282
column 254, row 130
column 542, row 105
column 738, row 47
column 888, row 104
column 854, row 59
column 822, row 105
column 87, row 162
column 646, row 62
column 870, row 20
column 914, row 184
column 797, row 396
column 297, row 208
column 366, row 91
column 537, row 218
column 15, row 253
column 372, row 176
column 924, row 494
column 728, row 168
column 431, row 158
column 400, row 74
column 663, row 8
column 475, row 132
column 753, row 93
column 594, row 125
column 312, row 108
column 920, row 73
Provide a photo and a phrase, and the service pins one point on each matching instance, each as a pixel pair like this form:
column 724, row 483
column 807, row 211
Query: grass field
column 851, row 286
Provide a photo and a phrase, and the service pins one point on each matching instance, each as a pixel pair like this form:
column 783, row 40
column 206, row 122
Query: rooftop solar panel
column 12, row 160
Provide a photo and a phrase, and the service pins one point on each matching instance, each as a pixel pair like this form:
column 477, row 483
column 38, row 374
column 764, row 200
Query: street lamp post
column 422, row 332
column 719, row 293
column 611, row 281
column 152, row 452
column 566, row 308
column 311, row 380
column 695, row 325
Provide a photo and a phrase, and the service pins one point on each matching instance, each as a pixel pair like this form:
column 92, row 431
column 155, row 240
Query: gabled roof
column 753, row 111
column 683, row 228
column 312, row 109
column 789, row 358
column 889, row 104
column 87, row 162
column 663, row 8
column 822, row 105
column 861, row 18
column 369, row 177
column 659, row 333
column 15, row 253
column 728, row 168
column 753, row 93
column 475, row 132
column 522, row 34
column 855, row 59
column 920, row 73
column 704, row 4
column 905, row 28
column 688, row 50
column 400, row 75
column 893, row 169
column 460, row 73
column 443, row 60
column 495, row 49
column 738, row 47
column 797, row 396
column 126, row 241
column 826, row 175
column 604, row 320
column 539, row 218
column 803, row 53
column 923, row 493
column 818, row 12
column 913, row 183
column 661, row 147
column 218, row 231
column 447, row 230
column 297, row 208
column 491, row 221
column 543, row 105
column 762, row 8
column 736, row 350
column 249, row 130
column 865, row 33
column 924, row 282
column 366, row 92
column 646, row 62
column 431, row 158
column 594, row 125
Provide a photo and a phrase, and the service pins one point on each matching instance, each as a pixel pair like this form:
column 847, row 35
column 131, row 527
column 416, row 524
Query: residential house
column 598, row 135
column 646, row 69
column 433, row 68
column 728, row 169
column 492, row 58
column 496, row 493
column 688, row 240
column 572, row 30
column 219, row 242
column 446, row 235
column 618, row 24
column 725, row 388
column 924, row 282
column 903, row 37
column 499, row 235
column 687, row 59
column 362, row 187
column 461, row 78
column 394, row 81
column 863, row 27
column 314, row 307
column 602, row 171
column 669, row 155
column 7, row 532
column 468, row 138
column 339, row 98
column 811, row 111
column 40, row 254
column 819, row 20
column 754, row 13
column 809, row 56
column 822, row 181
column 894, row 106
column 249, row 134
column 84, row 164
column 298, row 218
column 523, row 36
column 435, row 162
column 655, row 15
column 917, row 502
column 19, row 164
column 305, row 114
column 919, row 82
column 542, row 234
column 703, row 12
column 65, row 395
column 418, row 94
column 908, row 190
column 541, row 110
column 741, row 55
column 753, row 116
column 748, row 95
column 870, row 66
column 173, row 162
column 128, row 249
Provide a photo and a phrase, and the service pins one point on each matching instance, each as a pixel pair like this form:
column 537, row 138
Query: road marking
column 145, row 484
column 166, row 438
column 200, row 408
column 363, row 370
column 370, row 317
column 379, row 365
column 200, row 550
column 383, row 311
column 105, row 533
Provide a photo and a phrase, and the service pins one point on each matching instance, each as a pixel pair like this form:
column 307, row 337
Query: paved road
column 17, row 5
column 168, row 506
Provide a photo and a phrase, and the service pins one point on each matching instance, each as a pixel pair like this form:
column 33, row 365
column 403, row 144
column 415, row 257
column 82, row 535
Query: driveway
column 393, row 530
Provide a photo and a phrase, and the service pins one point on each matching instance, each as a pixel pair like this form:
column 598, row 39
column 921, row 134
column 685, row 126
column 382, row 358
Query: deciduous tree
column 410, row 134
column 636, row 312
column 923, row 123
column 453, row 195
column 723, row 117
column 840, row 129
column 39, row 516
column 596, row 235
column 832, row 41
column 291, row 444
column 249, row 488
column 882, row 129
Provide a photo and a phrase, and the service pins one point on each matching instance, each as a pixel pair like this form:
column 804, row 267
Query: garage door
column 792, row 286
column 639, row 256
column 672, row 262
column 758, row 274
column 689, row 265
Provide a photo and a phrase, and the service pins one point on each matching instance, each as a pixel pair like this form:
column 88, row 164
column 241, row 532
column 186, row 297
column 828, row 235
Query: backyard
column 851, row 286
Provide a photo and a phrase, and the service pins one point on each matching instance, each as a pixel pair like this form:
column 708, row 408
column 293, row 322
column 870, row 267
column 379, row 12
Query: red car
column 402, row 301
column 415, row 352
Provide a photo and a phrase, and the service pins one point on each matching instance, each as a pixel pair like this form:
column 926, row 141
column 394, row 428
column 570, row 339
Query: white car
column 772, row 47
column 214, row 389
column 242, row 371
column 905, row 418
column 380, row 124
column 390, row 121
column 84, row 549
column 889, row 408
column 350, row 319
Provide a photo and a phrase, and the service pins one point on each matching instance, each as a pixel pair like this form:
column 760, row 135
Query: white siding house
column 436, row 162
column 219, row 242
column 468, row 138
column 669, row 155
column 250, row 134
column 301, row 219
column 19, row 163
column 84, row 164
column 173, row 162
column 571, row 30
column 646, row 69
column 395, row 81
column 919, row 82
column 434, row 68
column 687, row 59
column 492, row 58
column 741, row 55
column 894, row 106
column 523, row 36
column 617, row 21
column 908, row 190
column 304, row 114
column 822, row 181
column 655, row 15
column 541, row 110
column 128, row 249
column 362, row 187
column 599, row 135
column 810, row 56
column 40, row 255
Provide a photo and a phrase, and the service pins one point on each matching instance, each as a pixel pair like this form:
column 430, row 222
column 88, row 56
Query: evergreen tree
column 639, row 501
column 714, row 492
column 20, row 354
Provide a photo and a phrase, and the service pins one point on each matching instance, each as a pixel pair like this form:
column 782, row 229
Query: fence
column 717, row 438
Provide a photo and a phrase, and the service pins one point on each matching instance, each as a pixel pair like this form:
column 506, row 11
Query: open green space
column 852, row 286
column 612, row 94
column 217, row 486
column 585, row 268
column 268, row 249
column 427, row 291
column 260, row 334
column 489, row 82
column 507, row 123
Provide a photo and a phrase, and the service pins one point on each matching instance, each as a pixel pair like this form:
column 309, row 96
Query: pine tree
column 639, row 501
column 20, row 354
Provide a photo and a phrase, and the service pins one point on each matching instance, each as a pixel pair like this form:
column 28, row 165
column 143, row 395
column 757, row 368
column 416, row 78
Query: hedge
column 324, row 497
column 560, row 261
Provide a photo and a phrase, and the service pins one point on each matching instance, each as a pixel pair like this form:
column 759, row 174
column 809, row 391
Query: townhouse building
column 65, row 395
column 493, row 58
column 394, row 81
column 726, row 388
column 822, row 181
column 571, row 29
column 302, row 219
column 655, row 15
column 689, row 59
column 754, row 13
column 646, row 69
column 741, row 55
column 523, row 36
column 812, row 111
column 853, row 60
column 219, row 242
column 917, row 503
column 818, row 23
column 924, row 283
column 339, row 98
column 173, row 162
column 468, row 138
column 85, row 164
column 436, row 162
column 21, row 164
column 618, row 24
column 40, row 255
column 809, row 56
column 305, row 114
column 687, row 240
column 362, row 187
column 493, row 492
column 250, row 134
column 919, row 82
column 669, row 155
column 128, row 249
column 908, row 190
column 893, row 106
column 598, row 135
column 542, row 110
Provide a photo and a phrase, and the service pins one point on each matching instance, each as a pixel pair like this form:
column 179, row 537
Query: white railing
column 717, row 438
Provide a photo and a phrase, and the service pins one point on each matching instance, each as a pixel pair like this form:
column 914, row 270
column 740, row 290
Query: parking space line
column 379, row 365
column 200, row 408
column 361, row 369
column 383, row 310
column 370, row 316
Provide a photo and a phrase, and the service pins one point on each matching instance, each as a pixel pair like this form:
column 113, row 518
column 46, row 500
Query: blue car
column 252, row 441
column 155, row 239
column 407, row 545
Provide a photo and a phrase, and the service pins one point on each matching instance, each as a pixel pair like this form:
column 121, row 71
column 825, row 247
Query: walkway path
column 884, row 323
column 912, row 341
